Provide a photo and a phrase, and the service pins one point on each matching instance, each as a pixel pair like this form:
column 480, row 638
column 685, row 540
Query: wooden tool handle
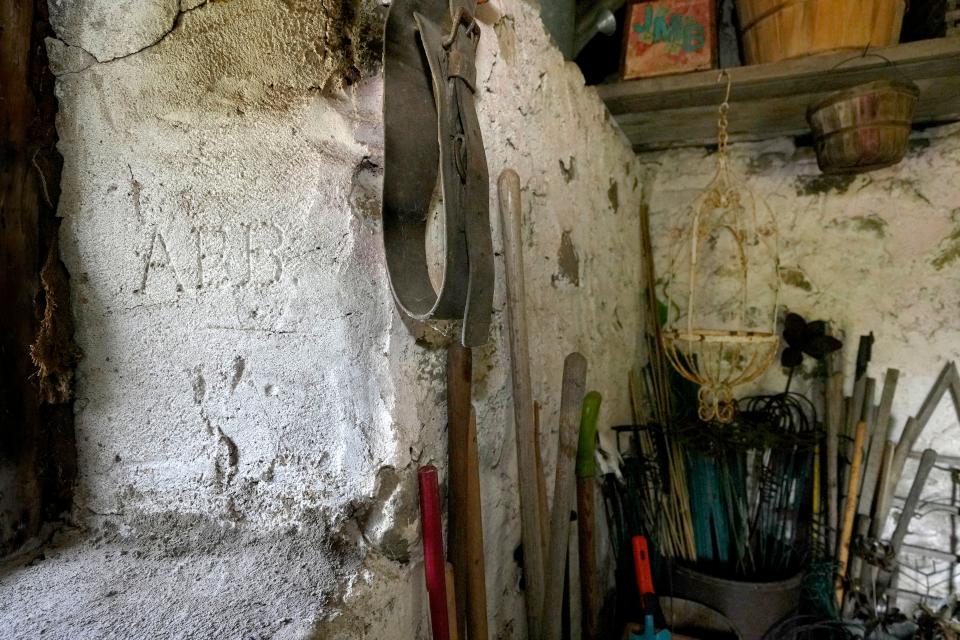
column 452, row 603
column 476, row 572
column 880, row 435
column 884, row 490
column 510, row 224
column 587, row 553
column 434, row 567
column 459, row 383
column 851, row 508
column 571, row 401
column 587, row 557
column 834, row 420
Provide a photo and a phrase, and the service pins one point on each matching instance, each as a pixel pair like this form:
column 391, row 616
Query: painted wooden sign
column 669, row 36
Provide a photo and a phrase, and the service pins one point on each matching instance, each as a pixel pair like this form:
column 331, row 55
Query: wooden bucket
column 774, row 30
column 863, row 128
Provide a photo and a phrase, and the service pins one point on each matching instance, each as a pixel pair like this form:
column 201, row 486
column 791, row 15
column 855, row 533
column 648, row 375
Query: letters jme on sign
column 677, row 31
column 218, row 255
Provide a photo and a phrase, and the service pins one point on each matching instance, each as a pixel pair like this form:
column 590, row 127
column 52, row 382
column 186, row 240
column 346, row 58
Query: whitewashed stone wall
column 251, row 409
column 875, row 252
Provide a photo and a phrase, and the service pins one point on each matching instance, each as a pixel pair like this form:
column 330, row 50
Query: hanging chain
column 722, row 122
column 723, row 138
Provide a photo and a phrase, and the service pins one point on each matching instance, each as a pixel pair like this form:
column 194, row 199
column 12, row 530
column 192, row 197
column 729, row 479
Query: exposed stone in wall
column 251, row 407
column 873, row 252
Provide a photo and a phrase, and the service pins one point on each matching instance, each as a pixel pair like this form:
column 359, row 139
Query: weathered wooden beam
column 771, row 100
column 37, row 459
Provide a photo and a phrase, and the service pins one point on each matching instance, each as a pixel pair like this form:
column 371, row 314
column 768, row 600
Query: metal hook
column 723, row 73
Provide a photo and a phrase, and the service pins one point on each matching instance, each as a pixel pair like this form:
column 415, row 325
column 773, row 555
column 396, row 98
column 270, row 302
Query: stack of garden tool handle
column 864, row 466
column 546, row 546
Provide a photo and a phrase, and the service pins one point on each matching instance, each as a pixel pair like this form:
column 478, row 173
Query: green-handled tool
column 586, row 470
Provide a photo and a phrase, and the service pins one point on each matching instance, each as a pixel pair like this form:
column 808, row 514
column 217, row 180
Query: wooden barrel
column 863, row 128
column 774, row 30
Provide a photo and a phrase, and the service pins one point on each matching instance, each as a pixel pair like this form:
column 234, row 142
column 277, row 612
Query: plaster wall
column 251, row 409
column 875, row 252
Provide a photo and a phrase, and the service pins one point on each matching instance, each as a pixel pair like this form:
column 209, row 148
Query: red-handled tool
column 641, row 565
column 434, row 567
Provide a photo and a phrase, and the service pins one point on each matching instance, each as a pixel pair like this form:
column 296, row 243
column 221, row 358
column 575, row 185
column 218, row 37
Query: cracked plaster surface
column 109, row 29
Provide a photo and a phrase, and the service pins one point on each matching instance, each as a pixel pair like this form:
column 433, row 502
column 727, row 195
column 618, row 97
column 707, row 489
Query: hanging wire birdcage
column 721, row 328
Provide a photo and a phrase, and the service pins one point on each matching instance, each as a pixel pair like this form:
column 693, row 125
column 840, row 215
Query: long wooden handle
column 587, row 553
column 868, row 573
column 851, row 508
column 881, row 434
column 834, row 420
column 541, row 480
column 452, row 603
column 476, row 573
column 884, row 491
column 571, row 410
column 510, row 224
column 434, row 567
column 459, row 389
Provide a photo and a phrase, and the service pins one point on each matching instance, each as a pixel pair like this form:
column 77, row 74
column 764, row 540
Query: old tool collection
column 456, row 590
column 804, row 486
column 430, row 131
column 860, row 495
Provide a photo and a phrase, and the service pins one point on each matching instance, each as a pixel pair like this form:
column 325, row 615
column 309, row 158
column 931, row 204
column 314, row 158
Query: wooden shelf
column 770, row 100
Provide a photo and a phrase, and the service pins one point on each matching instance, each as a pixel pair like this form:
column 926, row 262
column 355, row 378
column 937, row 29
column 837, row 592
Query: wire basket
column 723, row 288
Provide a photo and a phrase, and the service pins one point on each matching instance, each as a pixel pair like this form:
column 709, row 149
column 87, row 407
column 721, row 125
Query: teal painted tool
column 648, row 631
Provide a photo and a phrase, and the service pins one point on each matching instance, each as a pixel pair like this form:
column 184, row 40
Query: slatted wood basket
column 774, row 30
column 863, row 128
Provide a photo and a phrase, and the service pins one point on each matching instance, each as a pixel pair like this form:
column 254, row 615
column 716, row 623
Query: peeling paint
column 568, row 262
column 613, row 195
column 794, row 277
column 870, row 223
column 950, row 247
column 823, row 183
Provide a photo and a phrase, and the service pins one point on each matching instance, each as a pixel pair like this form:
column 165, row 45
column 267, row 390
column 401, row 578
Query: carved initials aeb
column 242, row 255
